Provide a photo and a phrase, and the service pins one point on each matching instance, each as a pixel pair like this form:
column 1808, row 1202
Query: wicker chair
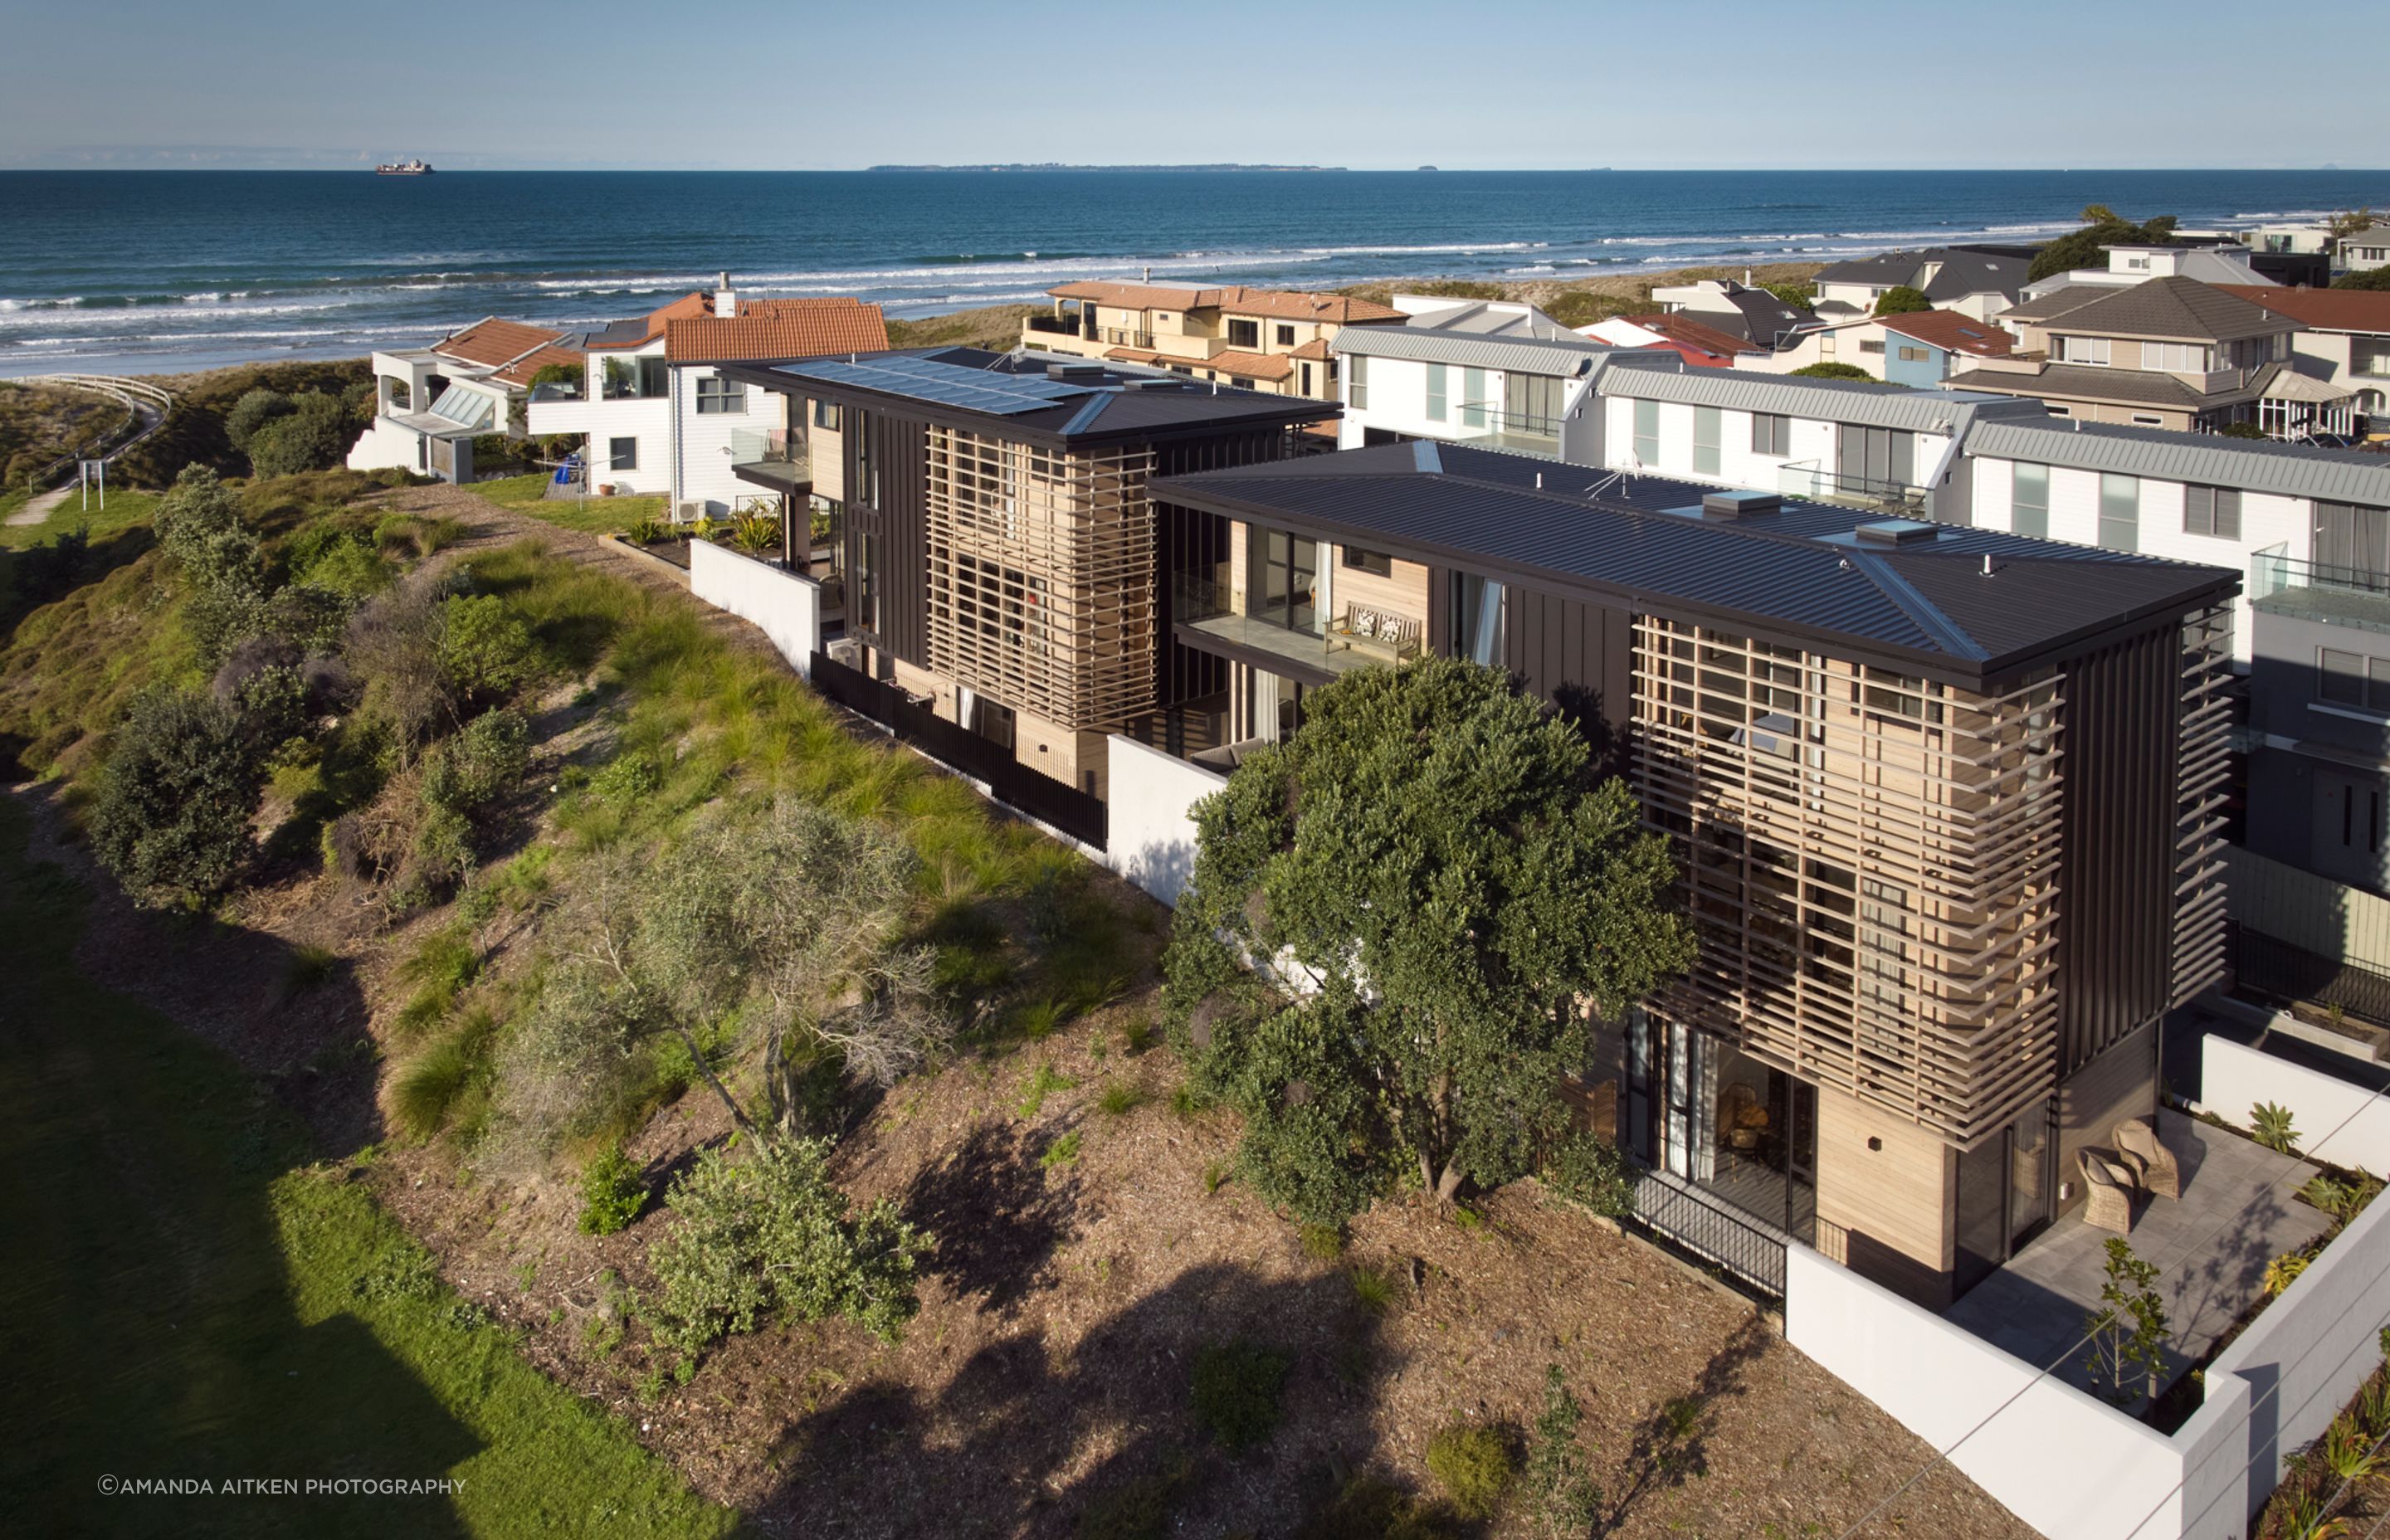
column 2107, row 1191
column 2159, row 1175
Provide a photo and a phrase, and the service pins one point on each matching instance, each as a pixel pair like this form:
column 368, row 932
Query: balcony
column 2315, row 591
column 1124, row 337
column 771, row 457
column 558, row 391
column 1811, row 483
column 1059, row 326
column 1203, row 606
column 1489, row 427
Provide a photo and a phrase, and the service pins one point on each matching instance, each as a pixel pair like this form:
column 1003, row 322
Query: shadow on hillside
column 998, row 1213
column 150, row 1330
column 1023, row 1440
column 1671, row 1444
column 55, row 567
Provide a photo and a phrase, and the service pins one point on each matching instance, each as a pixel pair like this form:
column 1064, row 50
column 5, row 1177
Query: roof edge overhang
column 1989, row 676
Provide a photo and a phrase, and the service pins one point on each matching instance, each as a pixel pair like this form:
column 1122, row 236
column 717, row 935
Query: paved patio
column 2034, row 1307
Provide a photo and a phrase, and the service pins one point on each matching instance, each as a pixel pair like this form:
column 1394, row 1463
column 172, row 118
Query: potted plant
column 605, row 489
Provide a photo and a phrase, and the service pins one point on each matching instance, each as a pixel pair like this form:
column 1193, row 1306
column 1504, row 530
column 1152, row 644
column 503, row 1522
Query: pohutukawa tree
column 1446, row 886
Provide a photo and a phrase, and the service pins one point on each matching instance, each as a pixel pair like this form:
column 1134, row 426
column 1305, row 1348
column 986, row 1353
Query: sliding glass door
column 1282, row 583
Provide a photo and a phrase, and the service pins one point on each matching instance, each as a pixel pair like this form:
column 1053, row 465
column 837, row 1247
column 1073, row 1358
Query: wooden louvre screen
column 1041, row 587
column 1870, row 861
column 2203, row 773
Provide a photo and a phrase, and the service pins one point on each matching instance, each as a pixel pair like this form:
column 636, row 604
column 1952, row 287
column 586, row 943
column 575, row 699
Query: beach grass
column 189, row 1298
column 125, row 508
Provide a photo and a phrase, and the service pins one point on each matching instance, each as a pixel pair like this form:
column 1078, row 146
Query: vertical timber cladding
column 1577, row 656
column 2146, row 768
column 1041, row 576
column 1871, row 863
column 883, row 454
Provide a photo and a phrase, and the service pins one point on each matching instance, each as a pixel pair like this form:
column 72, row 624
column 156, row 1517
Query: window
column 1358, row 378
column 866, row 469
column 655, row 376
column 470, row 408
column 1646, row 432
column 1283, row 585
column 400, row 398
column 1437, row 392
column 1285, row 336
column 1375, row 563
column 1912, row 355
column 825, row 414
column 1705, row 439
column 2212, row 510
column 1531, row 407
column 2083, row 350
column 2120, row 512
column 1245, row 334
column 2369, row 356
column 1239, row 382
column 1306, row 379
column 2354, row 680
column 2175, row 357
column 1876, row 345
column 1472, row 398
column 718, row 395
column 2029, row 500
column 623, row 454
column 1771, row 434
column 2148, row 419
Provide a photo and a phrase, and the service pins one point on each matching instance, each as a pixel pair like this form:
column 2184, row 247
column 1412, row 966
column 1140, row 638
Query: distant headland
column 1057, row 165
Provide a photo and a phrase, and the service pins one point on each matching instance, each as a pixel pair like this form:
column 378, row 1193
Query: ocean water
column 157, row 271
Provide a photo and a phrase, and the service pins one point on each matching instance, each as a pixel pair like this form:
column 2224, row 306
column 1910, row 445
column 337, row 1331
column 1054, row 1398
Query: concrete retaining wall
column 783, row 606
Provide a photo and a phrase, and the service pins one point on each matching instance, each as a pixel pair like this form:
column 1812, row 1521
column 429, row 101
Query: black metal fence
column 1711, row 1230
column 1073, row 811
column 2270, row 966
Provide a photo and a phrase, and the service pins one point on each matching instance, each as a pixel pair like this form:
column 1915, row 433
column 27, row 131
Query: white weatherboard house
column 430, row 405
column 654, row 415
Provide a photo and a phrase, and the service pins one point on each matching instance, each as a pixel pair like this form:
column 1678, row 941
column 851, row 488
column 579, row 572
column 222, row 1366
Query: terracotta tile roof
column 1315, row 350
column 1685, row 330
column 1237, row 300
column 2323, row 309
column 777, row 329
column 521, row 371
column 1952, row 331
column 1248, row 365
column 491, row 342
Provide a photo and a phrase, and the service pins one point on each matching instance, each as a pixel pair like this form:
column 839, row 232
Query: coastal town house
column 1920, row 349
column 2169, row 352
column 1267, row 340
column 1427, row 380
column 1943, row 801
column 2344, row 340
column 1757, row 315
column 999, row 563
column 1978, row 281
column 654, row 416
column 430, row 403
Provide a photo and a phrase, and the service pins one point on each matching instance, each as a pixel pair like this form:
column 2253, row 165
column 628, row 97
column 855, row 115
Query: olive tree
column 1443, row 885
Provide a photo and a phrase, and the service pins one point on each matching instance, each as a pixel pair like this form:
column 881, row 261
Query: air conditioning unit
column 847, row 650
column 689, row 512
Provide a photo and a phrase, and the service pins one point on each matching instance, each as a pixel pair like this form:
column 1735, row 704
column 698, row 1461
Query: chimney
column 725, row 301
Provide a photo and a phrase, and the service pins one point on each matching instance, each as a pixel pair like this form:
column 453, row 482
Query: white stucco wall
column 1152, row 834
column 2234, row 1077
column 783, row 606
column 385, row 445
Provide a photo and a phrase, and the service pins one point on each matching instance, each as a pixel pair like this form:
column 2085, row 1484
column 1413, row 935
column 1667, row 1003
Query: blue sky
column 1521, row 85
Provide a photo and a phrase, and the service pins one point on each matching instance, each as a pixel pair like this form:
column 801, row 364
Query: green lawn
column 185, row 1298
column 123, row 508
column 589, row 515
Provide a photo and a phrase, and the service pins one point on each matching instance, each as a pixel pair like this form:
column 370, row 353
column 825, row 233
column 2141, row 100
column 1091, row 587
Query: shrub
column 647, row 532
column 314, row 435
column 1237, row 1387
column 1061, row 1152
column 1588, row 1169
column 481, row 764
column 1832, row 371
column 424, row 1092
column 2284, row 1271
column 624, row 779
column 2368, row 277
column 182, row 781
column 769, row 1236
column 1473, row 1465
column 2241, row 430
column 2270, row 1122
column 612, row 1193
column 198, row 525
column 1555, row 1474
column 1902, row 299
column 484, row 653
column 346, row 564
column 565, row 1067
column 1323, row 1241
column 252, row 411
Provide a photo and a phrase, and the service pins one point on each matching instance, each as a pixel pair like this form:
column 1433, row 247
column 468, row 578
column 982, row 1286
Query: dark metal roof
column 1803, row 573
column 2098, row 383
column 1016, row 395
column 1959, row 271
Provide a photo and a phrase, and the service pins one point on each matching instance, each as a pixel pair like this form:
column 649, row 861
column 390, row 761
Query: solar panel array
column 946, row 384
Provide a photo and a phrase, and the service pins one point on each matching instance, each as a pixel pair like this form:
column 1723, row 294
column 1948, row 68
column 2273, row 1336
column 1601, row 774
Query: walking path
column 147, row 404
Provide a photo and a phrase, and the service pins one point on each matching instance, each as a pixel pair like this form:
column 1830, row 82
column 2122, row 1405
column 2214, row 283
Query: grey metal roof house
column 1943, row 273
column 1564, row 358
column 2251, row 465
